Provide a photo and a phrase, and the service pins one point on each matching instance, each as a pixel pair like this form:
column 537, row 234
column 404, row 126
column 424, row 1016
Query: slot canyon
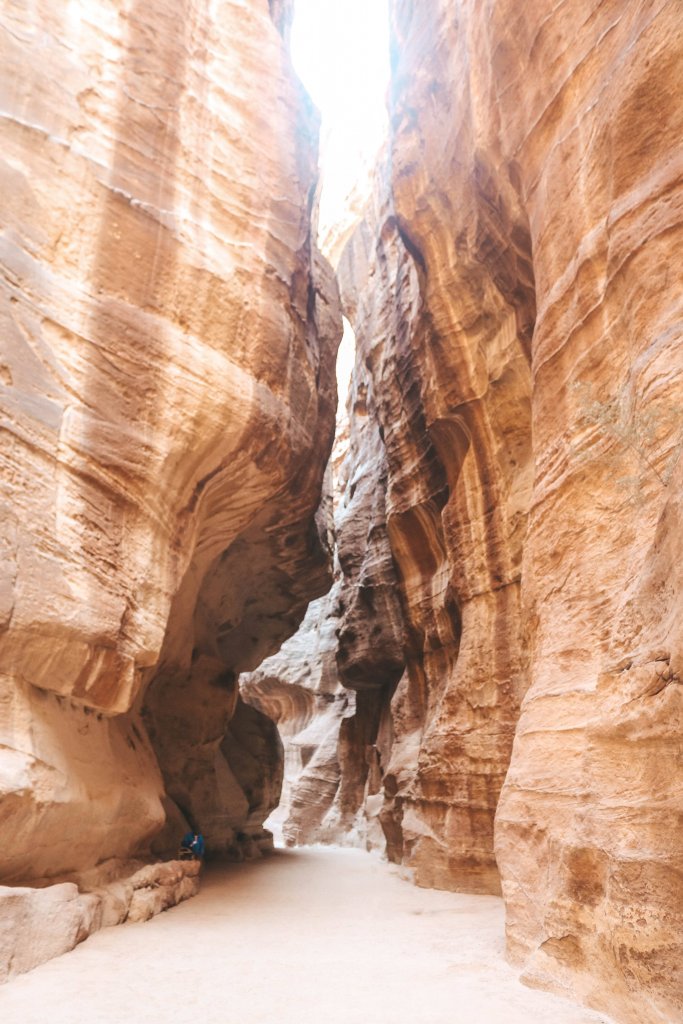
column 436, row 626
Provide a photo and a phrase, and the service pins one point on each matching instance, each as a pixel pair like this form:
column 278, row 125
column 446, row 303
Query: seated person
column 191, row 846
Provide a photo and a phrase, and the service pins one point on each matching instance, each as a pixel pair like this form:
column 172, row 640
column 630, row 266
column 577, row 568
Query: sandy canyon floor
column 312, row 936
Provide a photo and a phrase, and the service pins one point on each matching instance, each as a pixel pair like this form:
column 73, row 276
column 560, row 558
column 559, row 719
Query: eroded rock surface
column 329, row 686
column 515, row 293
column 298, row 688
column 38, row 924
column 451, row 472
column 167, row 392
column 495, row 676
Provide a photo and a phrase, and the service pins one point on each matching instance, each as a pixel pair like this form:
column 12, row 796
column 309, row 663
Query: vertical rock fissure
column 403, row 595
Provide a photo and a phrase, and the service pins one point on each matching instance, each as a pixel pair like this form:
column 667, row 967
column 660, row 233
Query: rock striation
column 167, row 393
column 491, row 688
column 329, row 685
column 452, row 476
column 514, row 292
column 298, row 688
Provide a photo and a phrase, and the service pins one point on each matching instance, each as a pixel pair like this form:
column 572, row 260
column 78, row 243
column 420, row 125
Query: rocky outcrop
column 298, row 688
column 38, row 924
column 329, row 686
column 167, row 392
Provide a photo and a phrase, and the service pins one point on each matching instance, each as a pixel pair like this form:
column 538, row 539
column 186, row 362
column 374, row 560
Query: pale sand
column 317, row 936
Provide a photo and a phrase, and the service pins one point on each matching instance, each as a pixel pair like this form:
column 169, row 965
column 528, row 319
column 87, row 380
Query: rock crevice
column 486, row 679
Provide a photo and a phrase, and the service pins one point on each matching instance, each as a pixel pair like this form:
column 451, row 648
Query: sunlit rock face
column 167, row 395
column 515, row 295
column 586, row 834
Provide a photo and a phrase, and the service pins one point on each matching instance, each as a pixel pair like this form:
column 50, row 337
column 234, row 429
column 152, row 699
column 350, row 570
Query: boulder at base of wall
column 39, row 924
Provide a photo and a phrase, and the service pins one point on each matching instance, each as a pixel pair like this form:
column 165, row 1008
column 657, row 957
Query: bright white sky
column 340, row 49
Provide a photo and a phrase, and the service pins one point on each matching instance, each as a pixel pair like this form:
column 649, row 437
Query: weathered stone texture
column 495, row 676
column 167, row 393
column 299, row 689
column 329, row 686
column 451, row 403
column 38, row 924
column 518, row 304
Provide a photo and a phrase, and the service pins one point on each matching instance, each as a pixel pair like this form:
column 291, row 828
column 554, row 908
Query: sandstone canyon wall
column 516, row 294
column 535, row 172
column 168, row 395
column 491, row 689
column 299, row 689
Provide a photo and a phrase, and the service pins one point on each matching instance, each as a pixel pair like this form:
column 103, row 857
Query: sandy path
column 304, row 937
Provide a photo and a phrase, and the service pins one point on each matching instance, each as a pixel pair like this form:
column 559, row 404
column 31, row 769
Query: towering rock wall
column 516, row 297
column 593, row 873
column 450, row 394
column 167, row 387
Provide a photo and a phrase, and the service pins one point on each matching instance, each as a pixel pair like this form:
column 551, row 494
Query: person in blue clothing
column 192, row 846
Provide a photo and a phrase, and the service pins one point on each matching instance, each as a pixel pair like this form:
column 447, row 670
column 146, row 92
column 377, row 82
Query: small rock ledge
column 38, row 924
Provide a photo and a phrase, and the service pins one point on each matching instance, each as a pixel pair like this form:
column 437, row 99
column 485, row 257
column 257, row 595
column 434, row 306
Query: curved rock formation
column 451, row 402
column 513, row 290
column 328, row 687
column 168, row 397
column 299, row 689
column 495, row 675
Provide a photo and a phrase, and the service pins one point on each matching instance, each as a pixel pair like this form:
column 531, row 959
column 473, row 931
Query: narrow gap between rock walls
column 341, row 54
